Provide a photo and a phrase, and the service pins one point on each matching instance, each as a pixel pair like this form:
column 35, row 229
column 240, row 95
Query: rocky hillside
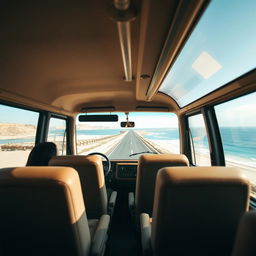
column 17, row 130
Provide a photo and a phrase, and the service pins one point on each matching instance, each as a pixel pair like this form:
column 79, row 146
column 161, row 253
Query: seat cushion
column 245, row 239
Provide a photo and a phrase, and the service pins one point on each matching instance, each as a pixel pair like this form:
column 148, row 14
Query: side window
column 17, row 135
column 237, row 122
column 199, row 141
column 57, row 134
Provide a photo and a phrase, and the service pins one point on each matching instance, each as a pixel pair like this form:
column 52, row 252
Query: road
column 130, row 144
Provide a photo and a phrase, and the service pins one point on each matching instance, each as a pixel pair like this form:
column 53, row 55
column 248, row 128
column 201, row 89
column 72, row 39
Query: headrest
column 201, row 176
column 41, row 154
column 176, row 159
column 78, row 160
column 88, row 167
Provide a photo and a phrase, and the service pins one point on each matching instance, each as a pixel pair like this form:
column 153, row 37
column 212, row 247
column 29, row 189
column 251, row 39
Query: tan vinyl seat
column 245, row 244
column 43, row 213
column 148, row 167
column 90, row 170
column 196, row 211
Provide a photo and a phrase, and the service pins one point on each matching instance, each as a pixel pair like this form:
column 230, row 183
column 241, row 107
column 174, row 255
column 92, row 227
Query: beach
column 13, row 158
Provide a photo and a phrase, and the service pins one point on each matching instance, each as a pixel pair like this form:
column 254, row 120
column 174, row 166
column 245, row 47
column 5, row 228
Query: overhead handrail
column 125, row 13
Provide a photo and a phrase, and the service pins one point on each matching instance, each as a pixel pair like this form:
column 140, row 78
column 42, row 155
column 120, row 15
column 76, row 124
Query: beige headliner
column 65, row 55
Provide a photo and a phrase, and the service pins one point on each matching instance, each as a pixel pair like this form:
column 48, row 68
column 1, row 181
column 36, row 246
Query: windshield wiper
column 143, row 152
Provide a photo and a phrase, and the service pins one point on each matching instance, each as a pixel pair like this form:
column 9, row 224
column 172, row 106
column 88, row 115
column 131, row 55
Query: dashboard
column 125, row 170
column 123, row 174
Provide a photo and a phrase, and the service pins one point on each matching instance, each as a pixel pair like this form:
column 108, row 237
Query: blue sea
column 28, row 139
column 237, row 141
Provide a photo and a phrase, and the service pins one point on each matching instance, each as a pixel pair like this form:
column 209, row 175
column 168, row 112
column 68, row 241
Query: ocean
column 22, row 140
column 237, row 141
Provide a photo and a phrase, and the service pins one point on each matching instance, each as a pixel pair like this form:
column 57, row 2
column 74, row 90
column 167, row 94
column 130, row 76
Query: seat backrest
column 197, row 210
column 90, row 170
column 41, row 154
column 42, row 212
column 245, row 240
column 148, row 167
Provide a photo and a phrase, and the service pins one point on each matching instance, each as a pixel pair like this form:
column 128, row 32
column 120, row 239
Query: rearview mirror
column 127, row 124
column 98, row 118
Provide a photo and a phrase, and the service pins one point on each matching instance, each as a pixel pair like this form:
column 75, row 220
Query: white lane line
column 131, row 147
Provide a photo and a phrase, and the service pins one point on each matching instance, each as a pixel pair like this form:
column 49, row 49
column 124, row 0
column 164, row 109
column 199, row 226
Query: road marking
column 131, row 147
column 116, row 146
column 134, row 140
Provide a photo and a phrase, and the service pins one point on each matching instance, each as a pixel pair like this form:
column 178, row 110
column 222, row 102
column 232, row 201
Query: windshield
column 153, row 133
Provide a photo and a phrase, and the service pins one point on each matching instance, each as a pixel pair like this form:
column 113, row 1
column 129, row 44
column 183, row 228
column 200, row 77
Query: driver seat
column 90, row 170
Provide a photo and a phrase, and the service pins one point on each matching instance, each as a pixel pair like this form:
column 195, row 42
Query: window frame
column 30, row 109
column 226, row 101
column 43, row 123
column 19, row 106
column 165, row 113
column 252, row 199
column 66, row 133
column 213, row 132
column 189, row 141
column 214, row 137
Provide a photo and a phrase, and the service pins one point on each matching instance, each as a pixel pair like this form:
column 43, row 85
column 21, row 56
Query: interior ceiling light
column 206, row 65
column 125, row 13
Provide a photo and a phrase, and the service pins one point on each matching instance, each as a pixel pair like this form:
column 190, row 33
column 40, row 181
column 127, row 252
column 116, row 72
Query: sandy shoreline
column 90, row 137
column 16, row 137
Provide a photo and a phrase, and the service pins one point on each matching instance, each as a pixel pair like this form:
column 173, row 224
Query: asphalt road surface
column 130, row 144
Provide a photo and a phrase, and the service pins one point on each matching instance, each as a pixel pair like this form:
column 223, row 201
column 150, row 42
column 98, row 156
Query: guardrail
column 92, row 141
column 15, row 147
column 26, row 146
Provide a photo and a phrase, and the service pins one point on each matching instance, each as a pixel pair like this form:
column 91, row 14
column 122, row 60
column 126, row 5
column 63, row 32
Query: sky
column 16, row 115
column 238, row 112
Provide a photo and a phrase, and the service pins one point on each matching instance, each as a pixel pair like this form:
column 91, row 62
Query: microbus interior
column 158, row 96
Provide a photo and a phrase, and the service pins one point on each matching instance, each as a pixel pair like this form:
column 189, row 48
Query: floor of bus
column 122, row 239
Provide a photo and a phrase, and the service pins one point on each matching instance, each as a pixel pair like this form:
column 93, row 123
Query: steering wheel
column 107, row 166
